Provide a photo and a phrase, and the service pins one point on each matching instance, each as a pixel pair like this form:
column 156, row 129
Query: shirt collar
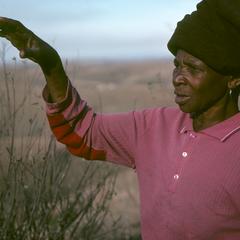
column 221, row 131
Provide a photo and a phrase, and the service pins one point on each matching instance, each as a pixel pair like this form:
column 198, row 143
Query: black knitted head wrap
column 212, row 34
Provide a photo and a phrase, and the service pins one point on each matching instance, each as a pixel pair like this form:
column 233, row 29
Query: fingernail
column 22, row 53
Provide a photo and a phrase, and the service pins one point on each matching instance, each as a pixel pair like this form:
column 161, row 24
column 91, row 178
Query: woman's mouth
column 181, row 99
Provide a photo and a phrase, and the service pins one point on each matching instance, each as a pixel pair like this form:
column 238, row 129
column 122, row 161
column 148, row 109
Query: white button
column 184, row 154
column 192, row 136
column 176, row 176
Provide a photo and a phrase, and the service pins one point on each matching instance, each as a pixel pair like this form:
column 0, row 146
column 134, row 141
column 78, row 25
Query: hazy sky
column 101, row 28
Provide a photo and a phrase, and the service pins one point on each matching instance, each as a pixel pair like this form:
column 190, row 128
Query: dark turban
column 212, row 34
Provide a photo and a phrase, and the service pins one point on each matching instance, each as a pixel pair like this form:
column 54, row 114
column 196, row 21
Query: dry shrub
column 37, row 198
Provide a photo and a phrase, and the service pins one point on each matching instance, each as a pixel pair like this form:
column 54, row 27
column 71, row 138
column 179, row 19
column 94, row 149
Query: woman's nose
column 178, row 77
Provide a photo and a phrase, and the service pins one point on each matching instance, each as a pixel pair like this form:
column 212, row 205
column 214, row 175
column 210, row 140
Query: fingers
column 14, row 31
column 29, row 45
column 8, row 25
column 20, row 37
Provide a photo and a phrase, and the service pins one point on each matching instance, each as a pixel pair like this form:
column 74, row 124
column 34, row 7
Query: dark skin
column 32, row 47
column 202, row 92
column 199, row 90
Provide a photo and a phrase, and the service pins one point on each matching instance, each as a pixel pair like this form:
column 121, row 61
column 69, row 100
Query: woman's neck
column 225, row 109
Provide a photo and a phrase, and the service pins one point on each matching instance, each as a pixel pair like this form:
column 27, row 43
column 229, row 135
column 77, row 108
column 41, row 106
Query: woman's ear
column 234, row 82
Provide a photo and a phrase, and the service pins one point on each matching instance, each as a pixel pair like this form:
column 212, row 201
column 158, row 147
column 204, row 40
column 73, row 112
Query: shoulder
column 161, row 113
column 162, row 117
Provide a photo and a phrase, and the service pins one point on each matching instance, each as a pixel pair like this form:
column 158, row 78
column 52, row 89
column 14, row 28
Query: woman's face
column 198, row 88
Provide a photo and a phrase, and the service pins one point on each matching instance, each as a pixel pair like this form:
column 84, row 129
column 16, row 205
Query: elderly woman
column 187, row 160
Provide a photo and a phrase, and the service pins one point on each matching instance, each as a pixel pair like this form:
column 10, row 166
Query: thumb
column 22, row 53
column 27, row 53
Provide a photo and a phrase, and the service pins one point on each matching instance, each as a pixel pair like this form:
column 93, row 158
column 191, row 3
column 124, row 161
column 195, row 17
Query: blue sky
column 109, row 29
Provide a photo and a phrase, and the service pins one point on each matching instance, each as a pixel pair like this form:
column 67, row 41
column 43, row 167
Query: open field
column 108, row 87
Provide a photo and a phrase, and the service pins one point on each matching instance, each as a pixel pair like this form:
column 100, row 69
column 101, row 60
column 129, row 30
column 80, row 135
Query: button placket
column 183, row 156
column 177, row 175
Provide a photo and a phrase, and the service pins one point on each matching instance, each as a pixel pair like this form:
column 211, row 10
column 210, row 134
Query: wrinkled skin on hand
column 29, row 45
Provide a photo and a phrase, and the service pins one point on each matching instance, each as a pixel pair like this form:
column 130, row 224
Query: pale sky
column 108, row 29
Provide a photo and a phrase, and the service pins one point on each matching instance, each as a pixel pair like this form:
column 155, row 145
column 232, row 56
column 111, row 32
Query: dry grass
column 108, row 87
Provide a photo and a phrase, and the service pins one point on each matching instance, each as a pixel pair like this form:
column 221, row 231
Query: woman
column 188, row 159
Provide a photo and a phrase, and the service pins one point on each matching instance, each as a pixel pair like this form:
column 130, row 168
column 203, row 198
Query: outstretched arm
column 84, row 132
column 32, row 47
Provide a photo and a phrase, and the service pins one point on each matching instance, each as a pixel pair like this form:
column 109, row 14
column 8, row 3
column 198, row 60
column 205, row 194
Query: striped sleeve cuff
column 56, row 107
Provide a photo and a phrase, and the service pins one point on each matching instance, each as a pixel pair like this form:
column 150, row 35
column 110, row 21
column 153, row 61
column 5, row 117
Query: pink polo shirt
column 189, row 181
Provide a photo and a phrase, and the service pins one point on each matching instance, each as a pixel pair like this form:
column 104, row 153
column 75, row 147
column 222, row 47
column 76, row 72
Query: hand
column 29, row 45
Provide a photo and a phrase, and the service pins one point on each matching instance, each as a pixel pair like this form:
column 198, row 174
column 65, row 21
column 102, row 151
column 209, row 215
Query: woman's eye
column 194, row 69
